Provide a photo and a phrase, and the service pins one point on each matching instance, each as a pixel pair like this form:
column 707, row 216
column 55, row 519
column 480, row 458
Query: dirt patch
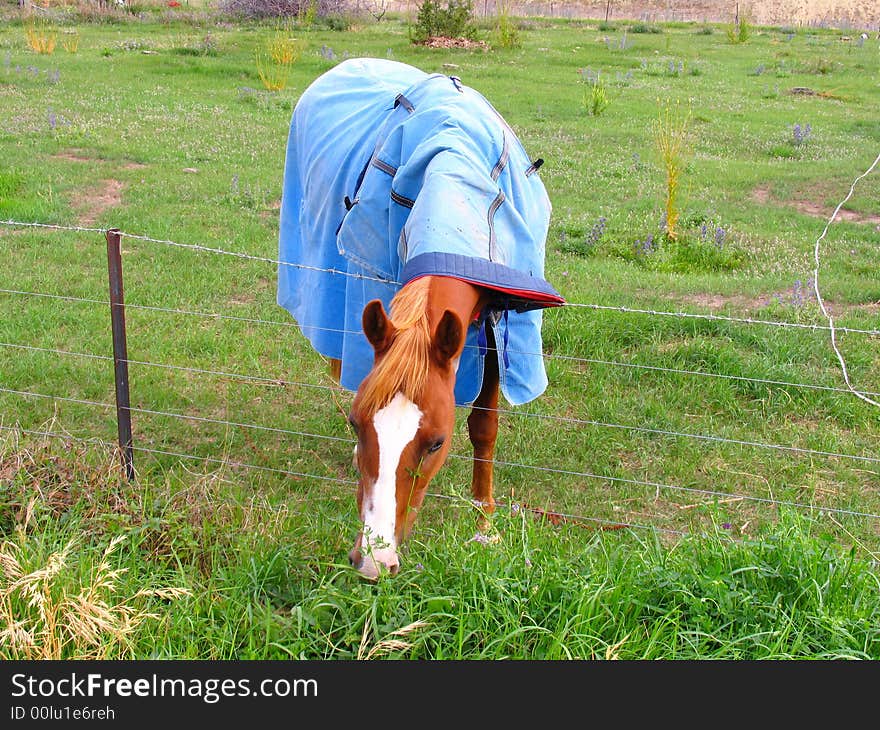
column 76, row 155
column 73, row 156
column 762, row 195
column 717, row 302
column 810, row 208
column 94, row 201
column 443, row 42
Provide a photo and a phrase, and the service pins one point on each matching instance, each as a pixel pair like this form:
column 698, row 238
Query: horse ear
column 449, row 337
column 377, row 327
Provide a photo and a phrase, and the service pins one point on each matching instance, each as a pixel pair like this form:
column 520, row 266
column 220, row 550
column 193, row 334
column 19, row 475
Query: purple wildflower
column 53, row 76
column 53, row 120
column 720, row 236
column 596, row 232
column 726, row 526
column 801, row 134
column 646, row 247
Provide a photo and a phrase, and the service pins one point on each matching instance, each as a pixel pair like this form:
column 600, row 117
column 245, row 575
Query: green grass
column 182, row 143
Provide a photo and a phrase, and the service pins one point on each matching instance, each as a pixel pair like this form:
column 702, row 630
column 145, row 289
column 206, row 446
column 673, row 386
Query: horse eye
column 435, row 446
column 353, row 424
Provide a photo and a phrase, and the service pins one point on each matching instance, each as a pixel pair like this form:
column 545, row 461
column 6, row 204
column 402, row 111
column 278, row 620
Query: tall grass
column 596, row 99
column 545, row 590
column 672, row 139
column 275, row 60
column 505, row 34
column 40, row 39
column 50, row 611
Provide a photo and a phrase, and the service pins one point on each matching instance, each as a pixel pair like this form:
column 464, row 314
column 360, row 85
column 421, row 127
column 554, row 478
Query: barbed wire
column 559, row 419
column 456, row 499
column 622, row 309
column 863, row 396
column 462, row 457
column 545, row 355
column 390, row 282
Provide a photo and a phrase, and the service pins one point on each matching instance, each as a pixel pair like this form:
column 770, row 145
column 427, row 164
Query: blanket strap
column 482, row 340
column 401, row 100
column 534, row 166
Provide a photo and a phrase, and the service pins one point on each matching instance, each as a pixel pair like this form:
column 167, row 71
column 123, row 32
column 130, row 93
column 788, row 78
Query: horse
column 411, row 255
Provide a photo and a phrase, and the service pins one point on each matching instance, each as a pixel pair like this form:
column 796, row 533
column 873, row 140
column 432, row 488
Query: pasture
column 696, row 482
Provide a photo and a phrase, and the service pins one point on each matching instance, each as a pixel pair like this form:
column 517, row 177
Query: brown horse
column 404, row 412
column 409, row 191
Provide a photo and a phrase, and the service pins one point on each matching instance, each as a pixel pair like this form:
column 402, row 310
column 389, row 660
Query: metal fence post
column 120, row 350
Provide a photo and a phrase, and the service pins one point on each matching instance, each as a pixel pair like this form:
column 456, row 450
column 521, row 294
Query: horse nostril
column 393, row 568
column 354, row 559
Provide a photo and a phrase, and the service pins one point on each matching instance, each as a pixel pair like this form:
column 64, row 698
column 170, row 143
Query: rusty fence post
column 120, row 350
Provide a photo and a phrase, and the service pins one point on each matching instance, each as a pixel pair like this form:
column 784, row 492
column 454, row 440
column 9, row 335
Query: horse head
column 404, row 414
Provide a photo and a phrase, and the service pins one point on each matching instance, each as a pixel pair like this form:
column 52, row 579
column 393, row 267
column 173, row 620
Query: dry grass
column 40, row 40
column 275, row 60
column 391, row 643
column 49, row 612
column 283, row 49
column 672, row 137
column 70, row 41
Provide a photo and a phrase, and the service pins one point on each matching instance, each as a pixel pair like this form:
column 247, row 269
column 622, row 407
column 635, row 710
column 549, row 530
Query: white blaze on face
column 396, row 425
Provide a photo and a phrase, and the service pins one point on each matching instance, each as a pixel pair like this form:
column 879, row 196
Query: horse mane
column 404, row 365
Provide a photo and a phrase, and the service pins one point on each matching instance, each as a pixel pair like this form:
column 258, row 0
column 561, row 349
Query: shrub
column 505, row 34
column 303, row 10
column 741, row 29
column 456, row 20
column 596, row 97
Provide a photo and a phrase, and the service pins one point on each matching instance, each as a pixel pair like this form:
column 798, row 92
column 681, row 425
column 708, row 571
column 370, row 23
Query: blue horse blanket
column 392, row 174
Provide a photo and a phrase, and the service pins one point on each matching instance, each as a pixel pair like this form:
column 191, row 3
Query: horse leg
column 483, row 430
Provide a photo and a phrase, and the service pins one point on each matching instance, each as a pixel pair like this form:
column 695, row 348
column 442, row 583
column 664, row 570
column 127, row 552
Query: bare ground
column 762, row 194
column 94, row 201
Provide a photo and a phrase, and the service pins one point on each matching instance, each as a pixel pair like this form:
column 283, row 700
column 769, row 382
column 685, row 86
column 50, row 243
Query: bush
column 645, row 28
column 456, row 20
column 505, row 34
column 306, row 9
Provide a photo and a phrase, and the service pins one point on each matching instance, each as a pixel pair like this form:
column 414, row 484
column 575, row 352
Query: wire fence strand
column 544, row 355
column 829, row 327
column 456, row 499
column 394, row 283
column 277, row 382
column 462, row 457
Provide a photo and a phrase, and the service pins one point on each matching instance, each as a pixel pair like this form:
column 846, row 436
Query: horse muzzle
column 371, row 564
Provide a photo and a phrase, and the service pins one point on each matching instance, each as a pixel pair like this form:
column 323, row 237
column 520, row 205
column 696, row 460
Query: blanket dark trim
column 516, row 289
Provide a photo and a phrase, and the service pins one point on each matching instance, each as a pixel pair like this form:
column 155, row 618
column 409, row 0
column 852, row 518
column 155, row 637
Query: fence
column 124, row 409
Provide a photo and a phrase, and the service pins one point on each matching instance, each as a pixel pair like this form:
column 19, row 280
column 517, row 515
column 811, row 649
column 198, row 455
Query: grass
column 648, row 420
